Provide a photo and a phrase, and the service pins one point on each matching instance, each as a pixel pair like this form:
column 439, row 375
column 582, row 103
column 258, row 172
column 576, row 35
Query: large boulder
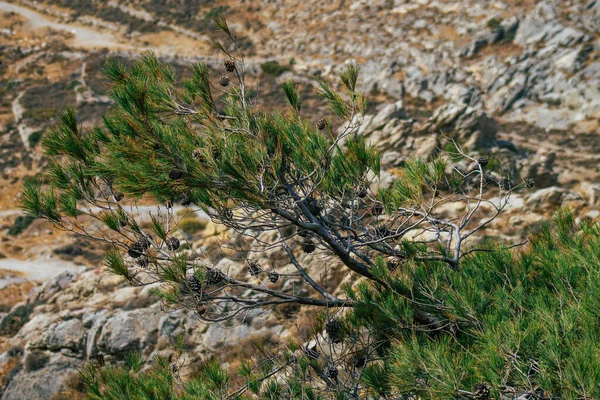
column 130, row 330
column 43, row 381
column 548, row 199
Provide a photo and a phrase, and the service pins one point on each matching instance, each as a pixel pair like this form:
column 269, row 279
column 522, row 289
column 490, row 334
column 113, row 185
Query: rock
column 43, row 383
column 93, row 322
column 591, row 191
column 570, row 61
column 549, row 199
column 65, row 335
column 391, row 159
column 389, row 112
column 129, row 330
column 217, row 336
column 424, row 147
column 591, row 216
column 533, row 30
column 446, row 115
column 53, row 286
column 540, row 168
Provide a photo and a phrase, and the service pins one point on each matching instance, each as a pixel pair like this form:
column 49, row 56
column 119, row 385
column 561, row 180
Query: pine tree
column 275, row 170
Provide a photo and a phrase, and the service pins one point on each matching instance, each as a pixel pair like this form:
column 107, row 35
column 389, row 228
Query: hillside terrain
column 517, row 80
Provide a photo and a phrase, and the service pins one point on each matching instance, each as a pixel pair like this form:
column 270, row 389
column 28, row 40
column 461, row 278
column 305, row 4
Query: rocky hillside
column 516, row 80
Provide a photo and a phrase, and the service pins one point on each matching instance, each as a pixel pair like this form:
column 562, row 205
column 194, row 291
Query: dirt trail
column 83, row 37
column 18, row 110
column 174, row 41
column 38, row 270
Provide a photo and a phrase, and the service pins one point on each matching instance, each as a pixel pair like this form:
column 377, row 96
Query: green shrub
column 34, row 138
column 21, row 223
column 11, row 323
column 494, row 23
column 215, row 12
column 191, row 225
column 273, row 68
column 520, row 320
column 523, row 321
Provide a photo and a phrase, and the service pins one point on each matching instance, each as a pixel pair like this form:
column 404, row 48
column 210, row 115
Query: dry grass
column 13, row 294
column 8, row 370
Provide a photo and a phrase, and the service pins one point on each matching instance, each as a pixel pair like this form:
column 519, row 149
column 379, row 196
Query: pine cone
column 362, row 192
column 172, row 243
column 224, row 81
column 529, row 183
column 377, row 209
column 229, row 65
column 345, row 221
column 506, row 184
column 489, row 178
column 392, row 265
column 331, row 372
column 483, row 161
column 313, row 206
column 308, row 246
column 119, row 196
column 303, row 232
column 273, row 276
column 175, row 174
column 321, row 124
column 195, row 284
column 135, row 250
column 143, row 243
column 254, row 268
column 481, row 391
column 382, row 232
column 334, row 330
column 213, row 276
column 185, row 200
column 143, row 261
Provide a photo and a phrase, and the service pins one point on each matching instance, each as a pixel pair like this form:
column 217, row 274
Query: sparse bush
column 273, row 68
column 36, row 359
column 191, row 225
column 214, row 12
column 21, row 223
column 12, row 322
column 34, row 138
column 493, row 23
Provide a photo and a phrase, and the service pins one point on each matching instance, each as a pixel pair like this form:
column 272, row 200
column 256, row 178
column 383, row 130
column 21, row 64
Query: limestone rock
column 42, row 383
column 549, row 199
column 129, row 330
column 67, row 334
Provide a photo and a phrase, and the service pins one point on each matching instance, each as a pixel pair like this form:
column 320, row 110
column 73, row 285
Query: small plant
column 273, row 68
column 494, row 23
column 34, row 138
column 21, row 223
column 36, row 359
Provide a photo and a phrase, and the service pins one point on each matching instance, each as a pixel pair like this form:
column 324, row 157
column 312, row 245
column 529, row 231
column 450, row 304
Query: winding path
column 38, row 270
column 84, row 37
